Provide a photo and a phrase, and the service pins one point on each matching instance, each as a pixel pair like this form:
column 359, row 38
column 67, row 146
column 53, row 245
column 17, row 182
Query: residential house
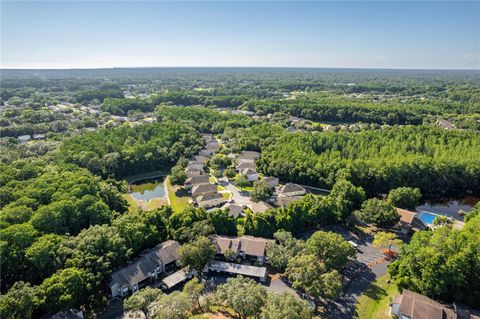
column 240, row 167
column 193, row 172
column 195, row 165
column 408, row 221
column 212, row 148
column 283, row 201
column 212, row 142
column 202, row 189
column 210, row 200
column 260, row 207
column 207, row 136
column 196, row 180
column 294, row 119
column 445, row 124
column 412, row 305
column 200, row 158
column 143, row 270
column 291, row 189
column 205, row 152
column 248, row 157
column 24, row 138
column 231, row 156
column 251, row 174
column 246, row 247
column 39, row 136
column 271, row 181
column 194, row 168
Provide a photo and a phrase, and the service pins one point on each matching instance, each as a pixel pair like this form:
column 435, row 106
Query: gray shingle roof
column 141, row 268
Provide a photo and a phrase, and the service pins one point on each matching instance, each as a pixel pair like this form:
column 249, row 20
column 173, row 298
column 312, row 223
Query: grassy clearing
column 132, row 204
column 374, row 303
column 178, row 197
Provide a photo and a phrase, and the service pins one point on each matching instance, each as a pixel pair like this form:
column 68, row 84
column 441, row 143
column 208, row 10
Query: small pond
column 148, row 189
column 449, row 207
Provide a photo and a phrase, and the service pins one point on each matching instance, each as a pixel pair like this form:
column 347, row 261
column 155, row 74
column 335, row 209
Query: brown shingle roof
column 260, row 207
column 253, row 246
column 242, row 166
column 201, row 189
column 210, row 196
column 201, row 179
column 418, row 306
column 291, row 188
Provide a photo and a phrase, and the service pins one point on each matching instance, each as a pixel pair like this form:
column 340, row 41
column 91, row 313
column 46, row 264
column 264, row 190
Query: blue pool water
column 426, row 217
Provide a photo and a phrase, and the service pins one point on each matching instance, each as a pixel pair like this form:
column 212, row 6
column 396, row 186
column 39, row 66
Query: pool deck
column 456, row 224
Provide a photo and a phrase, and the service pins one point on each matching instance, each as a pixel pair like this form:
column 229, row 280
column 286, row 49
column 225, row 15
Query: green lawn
column 374, row 303
column 246, row 189
column 132, row 204
column 226, row 196
column 178, row 198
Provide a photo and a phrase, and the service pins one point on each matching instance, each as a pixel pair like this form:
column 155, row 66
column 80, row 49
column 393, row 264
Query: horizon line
column 235, row 67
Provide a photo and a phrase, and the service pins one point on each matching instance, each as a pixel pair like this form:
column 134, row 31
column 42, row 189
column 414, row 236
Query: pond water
column 450, row 207
column 148, row 189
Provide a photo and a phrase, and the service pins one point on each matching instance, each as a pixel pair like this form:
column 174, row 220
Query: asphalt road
column 239, row 197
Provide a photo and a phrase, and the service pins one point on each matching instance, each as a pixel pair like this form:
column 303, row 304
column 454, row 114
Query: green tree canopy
column 20, row 301
column 285, row 305
column 261, row 191
column 141, row 300
column 378, row 212
column 308, row 273
column 196, row 254
column 243, row 295
column 330, row 248
column 405, row 197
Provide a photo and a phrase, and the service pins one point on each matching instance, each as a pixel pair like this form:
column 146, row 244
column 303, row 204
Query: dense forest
column 438, row 162
column 131, row 150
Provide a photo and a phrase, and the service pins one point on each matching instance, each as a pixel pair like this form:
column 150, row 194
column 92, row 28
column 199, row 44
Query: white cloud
column 471, row 59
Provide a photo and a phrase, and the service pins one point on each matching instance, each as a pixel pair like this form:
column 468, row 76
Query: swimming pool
column 426, row 217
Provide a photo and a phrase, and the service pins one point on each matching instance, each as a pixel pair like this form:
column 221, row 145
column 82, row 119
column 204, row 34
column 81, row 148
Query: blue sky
column 387, row 34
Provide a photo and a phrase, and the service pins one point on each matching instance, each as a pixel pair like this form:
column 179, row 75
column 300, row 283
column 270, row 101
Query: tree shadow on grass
column 375, row 292
column 181, row 192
